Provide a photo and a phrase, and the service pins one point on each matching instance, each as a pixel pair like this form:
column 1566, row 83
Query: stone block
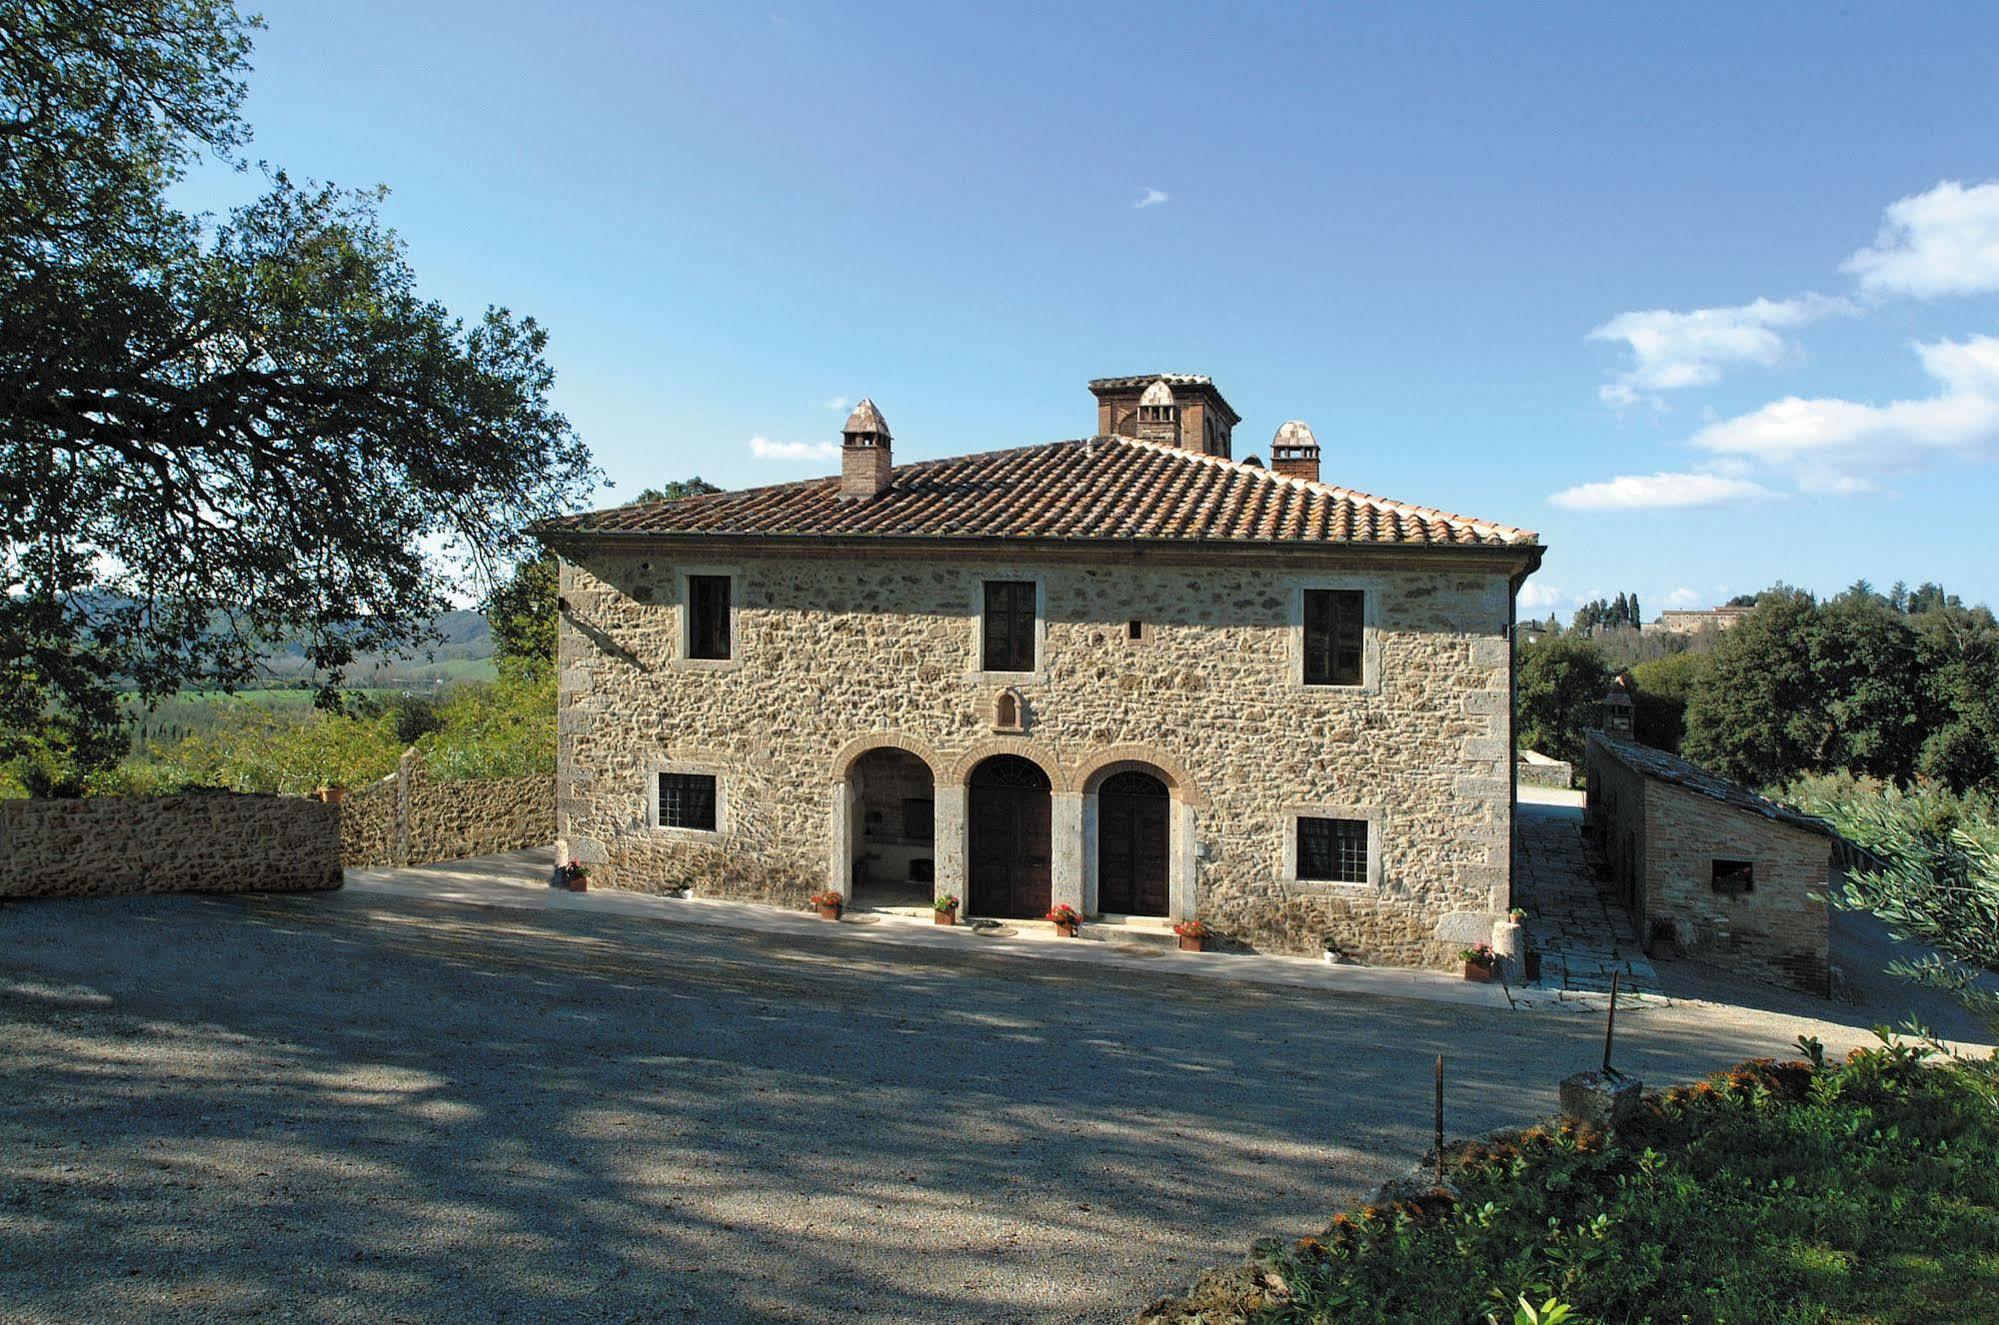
column 1608, row 1100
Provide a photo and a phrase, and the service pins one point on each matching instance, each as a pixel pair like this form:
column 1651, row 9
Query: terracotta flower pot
column 949, row 917
column 1066, row 928
column 831, row 912
column 1475, row 972
column 1193, row 943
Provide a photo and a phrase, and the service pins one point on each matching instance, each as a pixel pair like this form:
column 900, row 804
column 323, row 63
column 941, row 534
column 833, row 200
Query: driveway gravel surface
column 362, row 1107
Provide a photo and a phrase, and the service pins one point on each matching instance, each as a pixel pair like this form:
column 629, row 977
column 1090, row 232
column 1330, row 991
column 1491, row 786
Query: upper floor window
column 1009, row 626
column 708, row 616
column 1333, row 623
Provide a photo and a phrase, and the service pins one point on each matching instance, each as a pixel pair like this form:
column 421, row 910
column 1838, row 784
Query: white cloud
column 1151, row 198
column 1683, row 598
column 1942, row 242
column 1671, row 351
column 1632, row 492
column 1834, row 444
column 1536, row 597
column 837, row 403
column 763, row 448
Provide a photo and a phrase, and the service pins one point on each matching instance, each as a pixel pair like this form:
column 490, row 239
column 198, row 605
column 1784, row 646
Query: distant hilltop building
column 1692, row 622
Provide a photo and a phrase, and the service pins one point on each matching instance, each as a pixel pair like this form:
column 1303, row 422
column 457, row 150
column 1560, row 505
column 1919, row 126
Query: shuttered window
column 1009, row 626
column 708, row 616
column 1332, row 850
column 687, row 800
column 1333, row 637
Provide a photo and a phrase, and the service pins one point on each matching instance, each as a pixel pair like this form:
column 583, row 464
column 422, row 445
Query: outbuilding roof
column 1649, row 761
column 1092, row 489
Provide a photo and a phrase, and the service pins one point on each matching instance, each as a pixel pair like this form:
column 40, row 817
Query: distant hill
column 466, row 654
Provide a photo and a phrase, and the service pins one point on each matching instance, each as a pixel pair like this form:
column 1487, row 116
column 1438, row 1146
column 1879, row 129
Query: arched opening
column 892, row 803
column 1008, row 854
column 1134, row 844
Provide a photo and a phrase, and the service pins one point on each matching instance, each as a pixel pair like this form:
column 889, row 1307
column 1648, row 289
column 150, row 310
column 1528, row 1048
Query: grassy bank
column 1859, row 1192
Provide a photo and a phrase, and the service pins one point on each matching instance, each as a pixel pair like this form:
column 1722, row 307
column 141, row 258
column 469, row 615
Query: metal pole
column 1440, row 1120
column 1610, row 1025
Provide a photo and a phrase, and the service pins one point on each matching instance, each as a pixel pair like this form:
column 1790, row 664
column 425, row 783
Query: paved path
column 1582, row 934
column 368, row 1107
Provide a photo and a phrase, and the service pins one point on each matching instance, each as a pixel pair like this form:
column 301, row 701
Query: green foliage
column 218, row 434
column 1660, row 692
column 286, row 752
column 678, row 488
column 1862, row 1191
column 1560, row 683
column 1621, row 611
column 522, row 615
column 1938, row 878
column 504, row 728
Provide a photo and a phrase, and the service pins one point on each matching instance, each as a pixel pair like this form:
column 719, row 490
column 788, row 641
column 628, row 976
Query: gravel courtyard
column 364, row 1108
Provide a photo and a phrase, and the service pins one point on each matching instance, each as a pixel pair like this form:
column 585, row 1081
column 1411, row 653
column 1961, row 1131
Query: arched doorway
column 890, row 835
column 1008, row 857
column 1134, row 844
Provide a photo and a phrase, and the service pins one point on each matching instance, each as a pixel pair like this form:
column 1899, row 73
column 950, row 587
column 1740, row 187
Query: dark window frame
column 711, row 632
column 1009, row 626
column 1332, row 850
column 1333, row 636
column 681, row 802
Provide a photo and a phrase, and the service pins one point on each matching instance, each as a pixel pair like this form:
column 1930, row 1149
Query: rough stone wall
column 832, row 649
column 111, row 845
column 368, row 825
column 410, row 818
column 1559, row 773
column 1779, row 930
column 1614, row 810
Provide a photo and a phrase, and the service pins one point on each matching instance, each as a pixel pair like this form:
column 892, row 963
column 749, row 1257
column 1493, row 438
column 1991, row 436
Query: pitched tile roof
column 1099, row 488
column 1649, row 761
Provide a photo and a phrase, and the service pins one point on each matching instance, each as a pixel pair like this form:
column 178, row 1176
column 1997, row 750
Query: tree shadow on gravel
column 370, row 1109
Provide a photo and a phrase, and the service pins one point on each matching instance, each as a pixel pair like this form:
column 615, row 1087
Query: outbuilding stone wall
column 835, row 654
column 211, row 842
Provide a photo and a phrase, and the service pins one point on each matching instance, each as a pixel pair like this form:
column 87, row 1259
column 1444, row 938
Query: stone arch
column 961, row 768
column 843, row 762
column 1088, row 774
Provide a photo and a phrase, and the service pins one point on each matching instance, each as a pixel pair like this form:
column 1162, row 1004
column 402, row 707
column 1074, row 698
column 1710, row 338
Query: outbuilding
column 1706, row 867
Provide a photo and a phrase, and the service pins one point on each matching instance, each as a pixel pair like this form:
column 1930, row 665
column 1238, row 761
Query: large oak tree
column 219, row 432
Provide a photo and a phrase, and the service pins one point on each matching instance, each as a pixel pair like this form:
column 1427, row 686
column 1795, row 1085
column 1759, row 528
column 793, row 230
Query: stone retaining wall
column 410, row 818
column 210, row 842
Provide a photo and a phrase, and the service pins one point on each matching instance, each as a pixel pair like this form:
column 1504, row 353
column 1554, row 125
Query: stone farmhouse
column 1127, row 672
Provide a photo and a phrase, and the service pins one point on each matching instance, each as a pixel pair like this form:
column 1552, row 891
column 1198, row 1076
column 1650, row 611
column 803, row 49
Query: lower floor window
column 1734, row 876
column 1332, row 850
column 687, row 800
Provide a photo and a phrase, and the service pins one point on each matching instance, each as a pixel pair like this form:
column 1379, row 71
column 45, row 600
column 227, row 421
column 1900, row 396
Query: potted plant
column 1065, row 918
column 576, row 876
column 945, row 910
column 829, row 904
column 1193, row 935
column 1479, row 960
column 1518, row 915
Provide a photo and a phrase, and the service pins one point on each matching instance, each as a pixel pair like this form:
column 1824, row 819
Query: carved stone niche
column 1009, row 712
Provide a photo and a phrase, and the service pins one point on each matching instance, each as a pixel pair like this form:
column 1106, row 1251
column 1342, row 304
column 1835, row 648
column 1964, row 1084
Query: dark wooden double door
column 1008, row 866
column 1132, row 845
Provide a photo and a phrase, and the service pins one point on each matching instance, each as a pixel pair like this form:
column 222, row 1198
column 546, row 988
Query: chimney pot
column 1294, row 452
column 866, row 464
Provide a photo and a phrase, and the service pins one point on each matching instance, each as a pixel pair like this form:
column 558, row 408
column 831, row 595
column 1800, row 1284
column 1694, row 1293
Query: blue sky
column 1707, row 295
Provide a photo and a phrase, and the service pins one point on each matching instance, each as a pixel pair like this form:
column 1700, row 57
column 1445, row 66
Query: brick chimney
column 1294, row 452
column 865, row 464
column 1618, row 709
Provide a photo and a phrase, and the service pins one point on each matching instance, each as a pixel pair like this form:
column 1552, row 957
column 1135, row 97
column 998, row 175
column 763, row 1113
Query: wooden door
column 1133, row 842
column 1008, row 867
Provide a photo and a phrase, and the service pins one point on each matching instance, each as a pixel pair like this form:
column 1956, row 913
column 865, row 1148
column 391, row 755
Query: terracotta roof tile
column 1099, row 488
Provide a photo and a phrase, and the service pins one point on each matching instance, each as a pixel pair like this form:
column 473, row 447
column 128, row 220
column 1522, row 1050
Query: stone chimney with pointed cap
column 1619, row 709
column 865, row 463
column 1294, row 452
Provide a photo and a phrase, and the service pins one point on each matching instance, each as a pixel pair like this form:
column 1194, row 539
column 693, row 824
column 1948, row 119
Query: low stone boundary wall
column 215, row 842
column 1557, row 773
column 411, row 818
